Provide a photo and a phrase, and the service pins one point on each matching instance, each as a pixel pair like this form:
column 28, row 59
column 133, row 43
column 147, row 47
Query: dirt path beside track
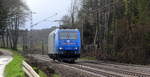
column 5, row 58
column 4, row 52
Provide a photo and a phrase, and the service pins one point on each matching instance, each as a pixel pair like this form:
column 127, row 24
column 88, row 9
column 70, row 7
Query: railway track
column 116, row 71
column 135, row 68
column 97, row 70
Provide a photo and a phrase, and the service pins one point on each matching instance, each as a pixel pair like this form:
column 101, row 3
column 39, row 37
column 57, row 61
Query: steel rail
column 29, row 70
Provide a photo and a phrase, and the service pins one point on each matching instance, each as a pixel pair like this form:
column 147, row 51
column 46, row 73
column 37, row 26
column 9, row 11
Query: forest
column 115, row 30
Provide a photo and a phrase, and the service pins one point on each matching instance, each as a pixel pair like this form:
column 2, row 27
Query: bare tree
column 13, row 17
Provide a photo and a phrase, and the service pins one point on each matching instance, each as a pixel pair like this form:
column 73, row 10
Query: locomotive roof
column 56, row 30
column 67, row 29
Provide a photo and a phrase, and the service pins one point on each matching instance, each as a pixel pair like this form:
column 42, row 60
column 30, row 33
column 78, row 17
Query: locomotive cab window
column 68, row 35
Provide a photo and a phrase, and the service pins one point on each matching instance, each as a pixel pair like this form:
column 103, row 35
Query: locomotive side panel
column 51, row 43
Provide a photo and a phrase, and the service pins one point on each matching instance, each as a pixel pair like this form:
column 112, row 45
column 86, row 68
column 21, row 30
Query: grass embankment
column 42, row 74
column 88, row 58
column 14, row 68
column 55, row 75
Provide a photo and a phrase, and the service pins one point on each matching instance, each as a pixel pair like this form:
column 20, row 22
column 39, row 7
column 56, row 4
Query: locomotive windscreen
column 68, row 35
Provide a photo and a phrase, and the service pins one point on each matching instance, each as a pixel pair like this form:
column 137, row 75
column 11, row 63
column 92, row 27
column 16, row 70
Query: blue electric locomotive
column 64, row 44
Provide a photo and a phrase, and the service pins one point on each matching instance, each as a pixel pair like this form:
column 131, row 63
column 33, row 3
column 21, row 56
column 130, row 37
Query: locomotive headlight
column 60, row 48
column 76, row 48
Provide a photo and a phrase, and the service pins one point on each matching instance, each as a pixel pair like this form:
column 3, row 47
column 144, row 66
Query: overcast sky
column 47, row 8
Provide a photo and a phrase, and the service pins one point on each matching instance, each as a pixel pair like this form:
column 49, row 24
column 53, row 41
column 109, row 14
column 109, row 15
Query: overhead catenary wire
column 45, row 19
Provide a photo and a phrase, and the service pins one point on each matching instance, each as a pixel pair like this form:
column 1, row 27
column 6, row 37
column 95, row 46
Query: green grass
column 41, row 73
column 55, row 75
column 88, row 58
column 14, row 68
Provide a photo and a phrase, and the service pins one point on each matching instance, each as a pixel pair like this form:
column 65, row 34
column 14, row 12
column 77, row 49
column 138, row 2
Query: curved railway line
column 100, row 69
column 113, row 71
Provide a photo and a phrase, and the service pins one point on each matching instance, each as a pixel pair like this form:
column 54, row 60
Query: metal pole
column 31, row 30
column 42, row 47
column 30, row 35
